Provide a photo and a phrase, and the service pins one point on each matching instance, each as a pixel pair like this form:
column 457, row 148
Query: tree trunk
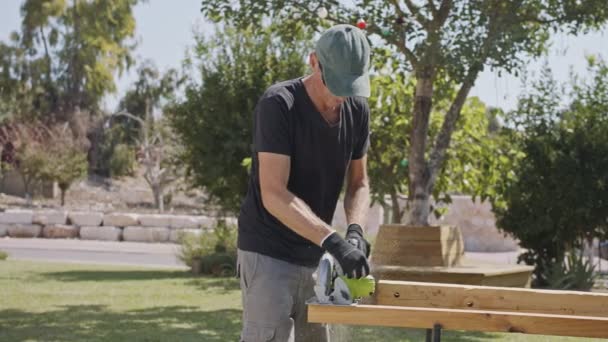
column 419, row 191
column 159, row 201
column 63, row 197
column 395, row 208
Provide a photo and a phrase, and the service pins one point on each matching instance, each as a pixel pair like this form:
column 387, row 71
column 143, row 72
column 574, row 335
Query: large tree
column 458, row 38
column 65, row 56
column 230, row 71
column 148, row 94
column 475, row 161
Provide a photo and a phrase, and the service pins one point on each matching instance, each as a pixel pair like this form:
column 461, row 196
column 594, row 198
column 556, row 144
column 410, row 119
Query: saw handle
column 351, row 259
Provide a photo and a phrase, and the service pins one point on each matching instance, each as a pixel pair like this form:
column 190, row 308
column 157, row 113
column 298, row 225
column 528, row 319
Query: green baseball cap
column 344, row 55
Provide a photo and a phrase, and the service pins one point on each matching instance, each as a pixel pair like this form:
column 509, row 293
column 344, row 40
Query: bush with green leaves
column 575, row 272
column 214, row 249
column 59, row 159
column 558, row 198
column 214, row 121
column 32, row 161
column 3, row 255
column 64, row 163
column 122, row 161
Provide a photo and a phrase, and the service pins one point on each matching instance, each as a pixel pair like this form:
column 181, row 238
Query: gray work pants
column 274, row 300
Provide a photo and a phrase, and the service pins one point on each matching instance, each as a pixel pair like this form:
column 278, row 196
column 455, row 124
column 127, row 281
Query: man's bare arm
column 356, row 199
column 283, row 204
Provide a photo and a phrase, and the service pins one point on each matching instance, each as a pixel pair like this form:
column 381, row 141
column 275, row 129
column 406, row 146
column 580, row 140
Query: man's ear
column 313, row 61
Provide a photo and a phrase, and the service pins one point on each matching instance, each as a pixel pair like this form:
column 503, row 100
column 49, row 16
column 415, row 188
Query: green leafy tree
column 64, row 163
column 472, row 165
column 65, row 56
column 30, row 164
column 558, row 199
column 149, row 93
column 57, row 158
column 433, row 38
column 213, row 122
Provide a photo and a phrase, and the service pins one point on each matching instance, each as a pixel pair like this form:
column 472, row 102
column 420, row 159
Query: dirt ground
column 125, row 194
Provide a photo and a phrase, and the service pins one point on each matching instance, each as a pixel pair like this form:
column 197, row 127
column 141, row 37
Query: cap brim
column 347, row 85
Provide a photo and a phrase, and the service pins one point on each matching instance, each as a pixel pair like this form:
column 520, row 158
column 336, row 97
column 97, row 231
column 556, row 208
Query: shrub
column 62, row 162
column 122, row 161
column 556, row 198
column 31, row 164
column 3, row 255
column 575, row 272
column 214, row 249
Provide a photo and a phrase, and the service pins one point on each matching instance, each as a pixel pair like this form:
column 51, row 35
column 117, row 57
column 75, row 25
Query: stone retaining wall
column 475, row 220
column 101, row 226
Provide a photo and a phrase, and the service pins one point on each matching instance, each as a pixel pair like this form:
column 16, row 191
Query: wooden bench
column 435, row 306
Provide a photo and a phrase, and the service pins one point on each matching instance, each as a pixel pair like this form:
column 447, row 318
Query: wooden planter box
column 436, row 255
column 401, row 245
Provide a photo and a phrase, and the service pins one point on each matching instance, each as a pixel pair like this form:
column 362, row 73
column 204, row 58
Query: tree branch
column 443, row 139
column 433, row 8
column 442, row 142
column 399, row 43
column 415, row 10
column 329, row 16
column 398, row 8
column 443, row 12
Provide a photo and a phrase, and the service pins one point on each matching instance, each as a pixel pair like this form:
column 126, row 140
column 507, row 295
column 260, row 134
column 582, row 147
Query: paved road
column 93, row 252
column 148, row 254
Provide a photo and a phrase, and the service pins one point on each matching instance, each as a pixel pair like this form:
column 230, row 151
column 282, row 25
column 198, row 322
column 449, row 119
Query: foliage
column 451, row 40
column 472, row 165
column 558, row 197
column 3, row 255
column 65, row 56
column 159, row 154
column 215, row 249
column 30, row 164
column 57, row 160
column 150, row 91
column 65, row 165
column 574, row 273
column 122, row 161
column 48, row 155
column 213, row 122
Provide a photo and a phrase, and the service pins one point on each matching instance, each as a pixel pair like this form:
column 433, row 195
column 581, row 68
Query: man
column 310, row 134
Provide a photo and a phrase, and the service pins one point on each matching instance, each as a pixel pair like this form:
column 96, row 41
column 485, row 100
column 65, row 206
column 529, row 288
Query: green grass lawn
column 69, row 302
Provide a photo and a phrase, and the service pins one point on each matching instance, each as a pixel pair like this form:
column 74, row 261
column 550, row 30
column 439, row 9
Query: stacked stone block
column 92, row 225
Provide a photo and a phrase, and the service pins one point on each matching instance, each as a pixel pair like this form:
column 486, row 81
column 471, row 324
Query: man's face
column 318, row 68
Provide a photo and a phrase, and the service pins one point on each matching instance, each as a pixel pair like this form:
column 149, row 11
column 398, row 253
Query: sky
column 164, row 31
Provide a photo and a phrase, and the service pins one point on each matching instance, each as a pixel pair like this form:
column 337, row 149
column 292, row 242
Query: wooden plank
column 514, row 279
column 483, row 270
column 452, row 319
column 414, row 259
column 432, row 233
column 451, row 296
column 428, row 276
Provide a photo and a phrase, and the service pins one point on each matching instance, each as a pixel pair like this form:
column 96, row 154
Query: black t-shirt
column 286, row 122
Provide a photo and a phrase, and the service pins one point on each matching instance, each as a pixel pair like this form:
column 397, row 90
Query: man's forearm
column 297, row 215
column 356, row 203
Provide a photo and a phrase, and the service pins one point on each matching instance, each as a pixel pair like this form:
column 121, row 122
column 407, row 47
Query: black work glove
column 354, row 235
column 351, row 259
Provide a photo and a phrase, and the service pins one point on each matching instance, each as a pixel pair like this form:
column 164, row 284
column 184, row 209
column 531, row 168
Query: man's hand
column 354, row 235
column 351, row 259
